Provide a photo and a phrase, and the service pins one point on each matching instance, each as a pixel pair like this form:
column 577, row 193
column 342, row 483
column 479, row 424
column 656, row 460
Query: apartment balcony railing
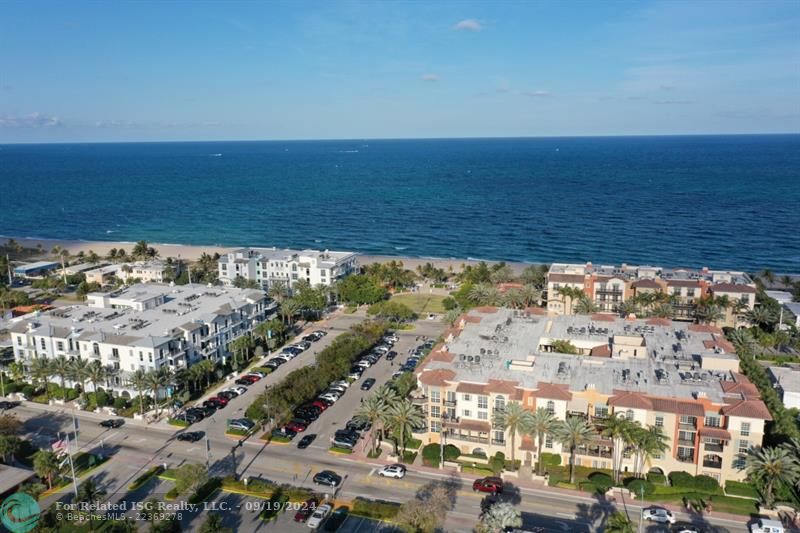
column 590, row 452
column 467, row 438
column 712, row 464
column 449, row 403
column 450, row 422
column 498, row 442
column 682, row 425
column 712, row 447
column 688, row 443
column 419, row 400
column 686, row 458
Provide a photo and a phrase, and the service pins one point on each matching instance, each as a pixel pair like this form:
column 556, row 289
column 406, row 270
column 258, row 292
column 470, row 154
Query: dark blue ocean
column 720, row 201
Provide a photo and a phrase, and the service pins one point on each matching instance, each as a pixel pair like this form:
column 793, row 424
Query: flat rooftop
column 634, row 272
column 285, row 254
column 787, row 377
column 507, row 344
column 186, row 307
column 38, row 265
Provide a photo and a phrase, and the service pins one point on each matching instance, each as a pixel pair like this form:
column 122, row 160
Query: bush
column 639, row 486
column 147, row 476
column 657, row 479
column 451, row 453
column 681, row 479
column 497, row 462
column 171, row 494
column 550, row 459
column 29, row 391
column 449, row 303
column 120, row 403
column 206, row 490
column 102, row 399
column 706, row 484
column 602, row 481
column 11, row 388
column 377, row 510
column 738, row 488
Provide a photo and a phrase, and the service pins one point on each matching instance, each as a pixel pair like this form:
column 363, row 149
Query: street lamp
column 641, row 511
column 445, row 417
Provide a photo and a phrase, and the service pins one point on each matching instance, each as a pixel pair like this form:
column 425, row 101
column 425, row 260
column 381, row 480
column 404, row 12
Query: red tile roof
column 500, row 386
column 503, row 287
column 472, row 319
column 683, row 283
column 552, row 391
column 747, row 409
column 740, row 385
column 659, row 322
column 732, row 287
column 714, row 433
column 565, row 278
column 536, row 310
column 437, row 378
column 604, row 350
column 471, row 388
column 475, row 425
column 638, row 400
column 645, row 284
column 718, row 342
column 603, row 317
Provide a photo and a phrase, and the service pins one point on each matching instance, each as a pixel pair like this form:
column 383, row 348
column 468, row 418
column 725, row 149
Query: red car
column 295, row 426
column 248, row 377
column 320, row 404
column 220, row 400
column 306, row 510
column 488, row 484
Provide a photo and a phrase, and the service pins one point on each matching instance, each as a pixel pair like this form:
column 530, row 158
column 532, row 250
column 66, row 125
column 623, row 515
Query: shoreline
column 193, row 252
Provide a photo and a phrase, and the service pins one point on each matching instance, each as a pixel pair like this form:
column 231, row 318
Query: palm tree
column 767, row 276
column 213, row 524
column 92, row 257
column 207, row 367
column 96, row 373
column 652, row 441
column 111, row 255
column 620, row 430
column 375, row 411
column 513, row 298
column 89, row 491
column 663, row 310
column 140, row 380
column 569, row 294
column 289, row 308
column 41, row 371
column 542, row 423
column 45, row 464
column 484, row 294
column 515, row 419
column 530, row 295
column 502, row 516
column 278, row 291
column 140, row 250
column 619, row 523
column 572, row 433
column 742, row 339
column 628, row 307
column 79, row 373
column 761, row 316
column 585, row 306
column 122, row 256
column 240, row 347
column 387, row 394
column 157, row 380
column 770, row 465
column 403, row 417
column 61, row 367
column 707, row 313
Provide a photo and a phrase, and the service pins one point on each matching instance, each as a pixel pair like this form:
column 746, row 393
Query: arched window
column 500, row 403
column 629, row 414
column 551, row 407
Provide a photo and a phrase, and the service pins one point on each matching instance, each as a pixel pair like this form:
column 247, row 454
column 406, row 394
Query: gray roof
column 788, row 378
column 325, row 258
column 38, row 265
column 11, row 477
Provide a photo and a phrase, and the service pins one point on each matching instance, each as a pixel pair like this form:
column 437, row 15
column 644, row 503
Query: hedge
column 699, row 483
column 179, row 423
column 205, row 490
column 337, row 449
column 681, row 479
column 602, row 481
column 147, row 476
column 431, row 454
column 275, row 504
column 639, row 486
column 737, row 488
column 550, row 459
column 657, row 479
column 375, row 509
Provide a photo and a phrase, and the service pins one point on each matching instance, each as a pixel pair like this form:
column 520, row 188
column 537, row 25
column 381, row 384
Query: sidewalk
column 68, row 410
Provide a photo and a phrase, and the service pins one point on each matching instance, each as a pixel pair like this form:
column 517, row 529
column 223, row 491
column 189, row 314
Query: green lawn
column 422, row 304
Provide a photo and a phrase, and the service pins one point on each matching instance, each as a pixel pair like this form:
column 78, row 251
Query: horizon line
column 345, row 139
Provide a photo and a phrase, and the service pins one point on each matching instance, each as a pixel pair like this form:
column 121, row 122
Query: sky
column 152, row 71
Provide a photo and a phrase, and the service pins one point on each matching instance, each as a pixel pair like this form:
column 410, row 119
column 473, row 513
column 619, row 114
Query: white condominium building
column 143, row 327
column 270, row 265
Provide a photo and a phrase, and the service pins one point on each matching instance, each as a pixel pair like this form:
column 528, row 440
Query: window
column 629, row 414
column 659, row 421
column 738, row 463
column 745, row 429
column 467, row 397
column 322, row 272
column 743, row 446
column 530, row 400
column 601, row 411
column 19, row 341
column 60, row 346
column 466, row 412
column 688, row 420
column 41, row 342
column 96, row 349
column 115, row 352
column 483, row 415
column 435, row 413
column 500, row 436
column 150, row 357
column 436, row 426
column 500, row 402
column 141, row 357
column 656, row 455
column 551, row 407
column 686, row 436
column 451, row 396
column 548, row 441
column 435, row 396
column 483, row 402
column 712, row 421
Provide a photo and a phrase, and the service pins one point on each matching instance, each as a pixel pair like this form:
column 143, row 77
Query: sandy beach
column 193, row 252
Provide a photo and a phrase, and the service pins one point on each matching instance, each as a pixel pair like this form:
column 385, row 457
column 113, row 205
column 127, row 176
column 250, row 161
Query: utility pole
column 641, row 511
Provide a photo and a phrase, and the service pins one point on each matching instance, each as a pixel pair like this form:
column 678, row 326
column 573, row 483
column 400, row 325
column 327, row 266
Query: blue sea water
column 717, row 201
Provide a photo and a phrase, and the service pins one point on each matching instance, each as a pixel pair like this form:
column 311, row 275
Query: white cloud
column 468, row 25
column 32, row 120
column 430, row 77
column 538, row 94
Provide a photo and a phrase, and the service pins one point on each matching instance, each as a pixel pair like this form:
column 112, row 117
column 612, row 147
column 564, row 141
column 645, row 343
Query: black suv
column 112, row 423
column 327, row 477
column 192, row 436
column 355, row 424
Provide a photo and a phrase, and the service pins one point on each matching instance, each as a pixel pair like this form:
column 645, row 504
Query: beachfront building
column 680, row 377
column 786, row 380
column 267, row 266
column 35, row 270
column 609, row 286
column 155, row 271
column 144, row 326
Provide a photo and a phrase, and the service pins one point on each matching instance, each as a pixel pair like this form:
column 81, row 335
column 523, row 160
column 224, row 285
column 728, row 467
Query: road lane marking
column 566, row 515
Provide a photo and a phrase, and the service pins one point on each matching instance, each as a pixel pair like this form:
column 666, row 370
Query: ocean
column 716, row 201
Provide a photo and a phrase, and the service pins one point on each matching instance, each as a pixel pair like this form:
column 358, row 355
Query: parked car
column 321, row 405
column 310, row 338
column 764, row 525
column 355, row 374
column 320, row 333
column 249, row 377
column 391, row 337
column 368, row 383
column 296, row 350
column 239, row 390
column 390, row 355
column 356, row 424
column 282, row 358
column 488, row 484
column 191, row 436
column 259, row 375
column 686, row 527
column 304, row 344
column 395, row 471
column 347, row 434
column 306, row 441
column 319, row 515
column 658, row 514
column 327, row 477
column 429, row 343
column 342, row 383
column 296, row 425
column 283, row 432
column 331, row 397
column 306, row 509
column 228, row 395
column 341, row 389
column 347, row 444
column 243, row 381
column 207, row 411
column 112, row 423
column 243, row 424
column 307, row 415
column 363, row 363
column 383, row 348
column 215, row 402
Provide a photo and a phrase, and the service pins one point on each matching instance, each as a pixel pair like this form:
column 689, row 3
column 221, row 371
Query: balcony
column 450, row 422
column 449, row 403
column 687, row 443
column 594, row 451
column 686, row 458
column 498, row 442
column 690, row 426
column 712, row 464
column 419, row 400
column 709, row 447
column 466, row 438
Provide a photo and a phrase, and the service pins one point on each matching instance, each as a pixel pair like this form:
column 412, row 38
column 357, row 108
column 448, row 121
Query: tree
column 742, row 339
column 706, row 312
column 767, row 277
column 500, row 517
column 392, row 311
column 769, row 466
column 652, row 441
column 278, row 291
column 96, row 373
column 157, row 380
column 9, row 444
column 516, row 420
column 89, row 491
column 585, row 306
column 535, row 276
column 140, row 381
column 403, row 417
column 542, row 422
column 41, row 371
column 213, row 524
column 502, row 274
column 243, row 283
column 562, row 346
column 572, row 433
column 427, row 511
column 9, row 425
column 569, row 294
column 484, row 294
column 360, row 289
column 240, row 347
column 140, row 250
column 663, row 310
column 92, row 257
column 619, row 523
column 45, row 464
column 190, row 476
column 79, row 373
column 620, row 430
column 762, row 316
column 289, row 308
column 375, row 411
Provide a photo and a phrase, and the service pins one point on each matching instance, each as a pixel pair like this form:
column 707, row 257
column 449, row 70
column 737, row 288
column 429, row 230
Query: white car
column 390, row 338
column 319, row 515
column 329, row 397
column 258, row 374
column 382, row 349
column 657, row 514
column 238, row 390
column 364, row 363
column 287, row 355
column 338, row 388
column 764, row 525
column 354, row 375
column 395, row 471
column 340, row 383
